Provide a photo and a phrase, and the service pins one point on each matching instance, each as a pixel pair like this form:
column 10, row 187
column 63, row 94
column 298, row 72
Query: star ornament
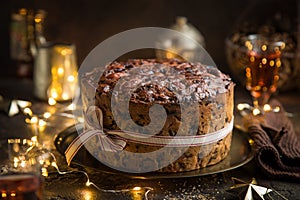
column 248, row 190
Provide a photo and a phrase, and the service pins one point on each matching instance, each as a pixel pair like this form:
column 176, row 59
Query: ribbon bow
column 94, row 127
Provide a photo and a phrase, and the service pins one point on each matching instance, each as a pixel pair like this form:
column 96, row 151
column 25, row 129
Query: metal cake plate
column 241, row 152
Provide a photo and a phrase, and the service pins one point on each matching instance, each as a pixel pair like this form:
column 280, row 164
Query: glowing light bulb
column 27, row 120
column 3, row 194
column 16, row 161
column 71, row 78
column 34, row 139
column 42, row 123
column 136, row 188
column 65, row 96
column 240, row 106
column 267, row 107
column 51, row 101
column 23, row 163
column 256, row 111
column 53, row 164
column 264, row 47
column 44, row 171
column 47, row 115
column 54, row 94
column 72, row 106
column 34, row 120
column 88, row 183
column 276, row 109
column 60, row 71
column 27, row 111
column 137, row 193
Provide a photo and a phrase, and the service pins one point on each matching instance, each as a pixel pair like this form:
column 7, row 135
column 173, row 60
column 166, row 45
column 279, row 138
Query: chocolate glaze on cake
column 193, row 82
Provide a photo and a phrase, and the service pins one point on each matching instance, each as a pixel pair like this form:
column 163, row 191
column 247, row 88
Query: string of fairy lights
column 47, row 159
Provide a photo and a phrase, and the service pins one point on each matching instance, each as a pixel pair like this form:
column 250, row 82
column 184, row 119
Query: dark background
column 86, row 23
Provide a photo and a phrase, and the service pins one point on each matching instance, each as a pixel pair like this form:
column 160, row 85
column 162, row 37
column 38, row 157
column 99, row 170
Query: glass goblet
column 262, row 69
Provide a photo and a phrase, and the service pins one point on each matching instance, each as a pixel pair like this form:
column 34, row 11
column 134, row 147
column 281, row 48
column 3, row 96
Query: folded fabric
column 277, row 144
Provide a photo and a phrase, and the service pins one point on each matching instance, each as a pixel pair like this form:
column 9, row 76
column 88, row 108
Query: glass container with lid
column 180, row 47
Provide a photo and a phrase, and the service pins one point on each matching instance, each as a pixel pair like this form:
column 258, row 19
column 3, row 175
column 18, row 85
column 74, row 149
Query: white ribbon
column 94, row 127
column 115, row 140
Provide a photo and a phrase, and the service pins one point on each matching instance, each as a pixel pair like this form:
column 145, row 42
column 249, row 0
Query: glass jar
column 179, row 47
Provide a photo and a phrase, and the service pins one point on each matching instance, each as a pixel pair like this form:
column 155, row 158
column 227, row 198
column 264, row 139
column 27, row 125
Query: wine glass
column 262, row 66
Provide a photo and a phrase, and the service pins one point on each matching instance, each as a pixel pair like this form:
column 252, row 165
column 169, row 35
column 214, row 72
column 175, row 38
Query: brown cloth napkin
column 277, row 145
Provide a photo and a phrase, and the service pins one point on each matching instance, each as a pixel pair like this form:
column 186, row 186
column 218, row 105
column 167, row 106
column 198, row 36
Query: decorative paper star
column 13, row 107
column 248, row 190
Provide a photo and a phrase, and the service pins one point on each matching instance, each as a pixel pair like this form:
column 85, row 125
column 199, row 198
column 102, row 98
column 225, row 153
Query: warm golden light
column 47, row 115
column 60, row 71
column 88, row 183
column 63, row 71
column 240, row 106
column 23, row 163
column 65, row 51
column 53, row 164
column 34, row 120
column 27, row 120
column 24, row 104
column 249, row 45
column 23, row 11
column 37, row 19
column 276, row 109
column 3, row 194
column 13, row 194
column 137, row 193
column 169, row 55
column 264, row 61
column 51, row 101
column 267, row 107
column 137, row 188
column 256, row 111
column 272, row 63
column 54, row 93
column 278, row 63
column 34, row 139
column 65, row 96
column 16, row 161
column 71, row 78
column 87, row 195
column 44, row 171
column 264, row 47
column 72, row 106
column 42, row 123
column 27, row 111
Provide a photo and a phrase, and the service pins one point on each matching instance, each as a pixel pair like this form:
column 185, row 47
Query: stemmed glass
column 262, row 69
